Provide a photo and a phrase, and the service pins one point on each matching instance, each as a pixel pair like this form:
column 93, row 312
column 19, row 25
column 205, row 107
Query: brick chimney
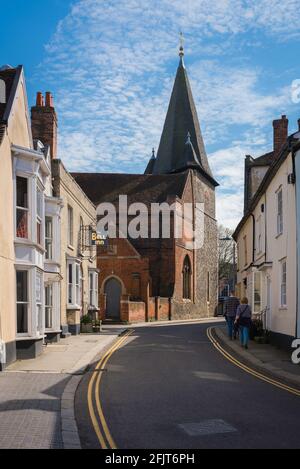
column 280, row 127
column 44, row 122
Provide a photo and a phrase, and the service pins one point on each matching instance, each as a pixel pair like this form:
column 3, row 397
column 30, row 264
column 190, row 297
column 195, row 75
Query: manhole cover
column 207, row 427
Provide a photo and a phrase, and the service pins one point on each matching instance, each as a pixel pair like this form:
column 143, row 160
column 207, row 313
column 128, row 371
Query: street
column 167, row 387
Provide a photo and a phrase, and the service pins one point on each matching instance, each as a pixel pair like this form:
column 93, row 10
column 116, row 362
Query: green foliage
column 86, row 319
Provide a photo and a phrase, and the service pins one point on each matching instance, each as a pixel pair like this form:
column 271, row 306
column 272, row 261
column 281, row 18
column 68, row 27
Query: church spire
column 181, row 49
column 181, row 119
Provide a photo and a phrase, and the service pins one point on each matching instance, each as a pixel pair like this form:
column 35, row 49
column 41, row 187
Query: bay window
column 22, row 209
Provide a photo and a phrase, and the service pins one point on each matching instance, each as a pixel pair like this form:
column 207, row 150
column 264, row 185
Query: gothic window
column 186, row 276
column 2, row 92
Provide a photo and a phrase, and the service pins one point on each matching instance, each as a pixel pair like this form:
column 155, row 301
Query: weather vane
column 181, row 48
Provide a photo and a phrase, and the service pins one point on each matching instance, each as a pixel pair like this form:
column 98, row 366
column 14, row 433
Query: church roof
column 181, row 120
column 146, row 188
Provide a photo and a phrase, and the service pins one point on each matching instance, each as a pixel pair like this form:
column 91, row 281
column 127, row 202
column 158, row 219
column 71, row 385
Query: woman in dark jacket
column 243, row 319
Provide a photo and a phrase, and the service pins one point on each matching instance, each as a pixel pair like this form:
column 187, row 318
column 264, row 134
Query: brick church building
column 160, row 279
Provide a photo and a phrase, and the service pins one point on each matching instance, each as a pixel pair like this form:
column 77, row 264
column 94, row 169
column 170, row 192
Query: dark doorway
column 113, row 291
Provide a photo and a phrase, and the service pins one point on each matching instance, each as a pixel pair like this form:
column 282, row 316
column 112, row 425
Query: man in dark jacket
column 230, row 308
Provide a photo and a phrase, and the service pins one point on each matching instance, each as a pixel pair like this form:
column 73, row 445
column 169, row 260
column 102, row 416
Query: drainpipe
column 253, row 240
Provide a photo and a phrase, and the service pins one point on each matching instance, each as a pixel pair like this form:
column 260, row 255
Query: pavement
column 168, row 387
column 37, row 396
column 266, row 358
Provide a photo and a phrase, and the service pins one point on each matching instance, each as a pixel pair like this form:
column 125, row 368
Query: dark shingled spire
column 181, row 119
column 150, row 165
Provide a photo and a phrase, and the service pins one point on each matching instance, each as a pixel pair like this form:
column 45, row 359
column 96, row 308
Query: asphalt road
column 169, row 388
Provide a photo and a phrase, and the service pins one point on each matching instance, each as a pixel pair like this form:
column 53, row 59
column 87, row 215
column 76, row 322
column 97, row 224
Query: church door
column 113, row 291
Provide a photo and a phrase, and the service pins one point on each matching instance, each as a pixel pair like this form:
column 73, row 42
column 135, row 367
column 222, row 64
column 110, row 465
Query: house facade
column 48, row 274
column 267, row 237
column 77, row 256
column 29, row 267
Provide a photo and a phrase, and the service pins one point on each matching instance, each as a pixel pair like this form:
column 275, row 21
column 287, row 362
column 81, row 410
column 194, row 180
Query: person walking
column 243, row 320
column 230, row 309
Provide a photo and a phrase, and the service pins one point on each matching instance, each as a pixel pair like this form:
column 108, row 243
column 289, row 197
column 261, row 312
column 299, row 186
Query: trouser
column 230, row 326
column 244, row 335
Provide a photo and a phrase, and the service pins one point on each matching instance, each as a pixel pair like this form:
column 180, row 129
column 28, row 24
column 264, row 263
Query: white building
column 267, row 237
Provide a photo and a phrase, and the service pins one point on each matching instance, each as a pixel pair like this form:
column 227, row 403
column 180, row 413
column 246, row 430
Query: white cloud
column 110, row 67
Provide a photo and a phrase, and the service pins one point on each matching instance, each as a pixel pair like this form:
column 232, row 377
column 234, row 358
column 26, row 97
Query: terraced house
column 48, row 275
column 268, row 236
column 29, row 267
column 77, row 257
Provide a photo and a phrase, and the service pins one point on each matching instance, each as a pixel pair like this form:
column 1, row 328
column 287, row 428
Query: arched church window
column 186, row 278
column 2, row 92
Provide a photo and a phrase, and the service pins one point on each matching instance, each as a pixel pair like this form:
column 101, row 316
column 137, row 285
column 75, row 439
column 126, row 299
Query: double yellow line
column 252, row 372
column 99, row 423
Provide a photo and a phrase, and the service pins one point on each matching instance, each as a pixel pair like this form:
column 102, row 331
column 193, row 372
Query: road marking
column 102, row 431
column 254, row 373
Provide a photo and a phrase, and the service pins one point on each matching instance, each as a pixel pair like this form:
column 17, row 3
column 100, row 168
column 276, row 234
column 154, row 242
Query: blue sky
column 111, row 66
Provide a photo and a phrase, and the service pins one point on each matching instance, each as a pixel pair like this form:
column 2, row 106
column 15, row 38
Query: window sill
column 73, row 307
column 71, row 247
column 278, row 235
column 283, row 308
column 27, row 337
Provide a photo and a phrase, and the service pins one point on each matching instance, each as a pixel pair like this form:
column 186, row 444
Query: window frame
column 22, row 302
column 49, row 238
column 279, row 208
column 93, row 289
column 70, row 226
column 187, row 279
column 39, row 215
column 24, row 209
column 49, row 306
column 257, row 274
column 74, row 287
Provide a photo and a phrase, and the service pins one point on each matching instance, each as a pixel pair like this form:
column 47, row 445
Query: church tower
column 181, row 126
column 182, row 151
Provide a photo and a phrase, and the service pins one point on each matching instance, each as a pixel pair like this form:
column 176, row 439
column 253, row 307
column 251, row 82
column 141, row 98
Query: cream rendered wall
column 72, row 195
column 18, row 132
column 283, row 320
column 274, row 249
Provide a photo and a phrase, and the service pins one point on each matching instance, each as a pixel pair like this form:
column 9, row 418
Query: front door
column 113, row 291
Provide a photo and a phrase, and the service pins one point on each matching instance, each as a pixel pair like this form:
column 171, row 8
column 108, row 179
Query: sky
column 111, row 66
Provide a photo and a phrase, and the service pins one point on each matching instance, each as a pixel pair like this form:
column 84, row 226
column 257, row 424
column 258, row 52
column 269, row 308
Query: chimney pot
column 49, row 99
column 40, row 99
